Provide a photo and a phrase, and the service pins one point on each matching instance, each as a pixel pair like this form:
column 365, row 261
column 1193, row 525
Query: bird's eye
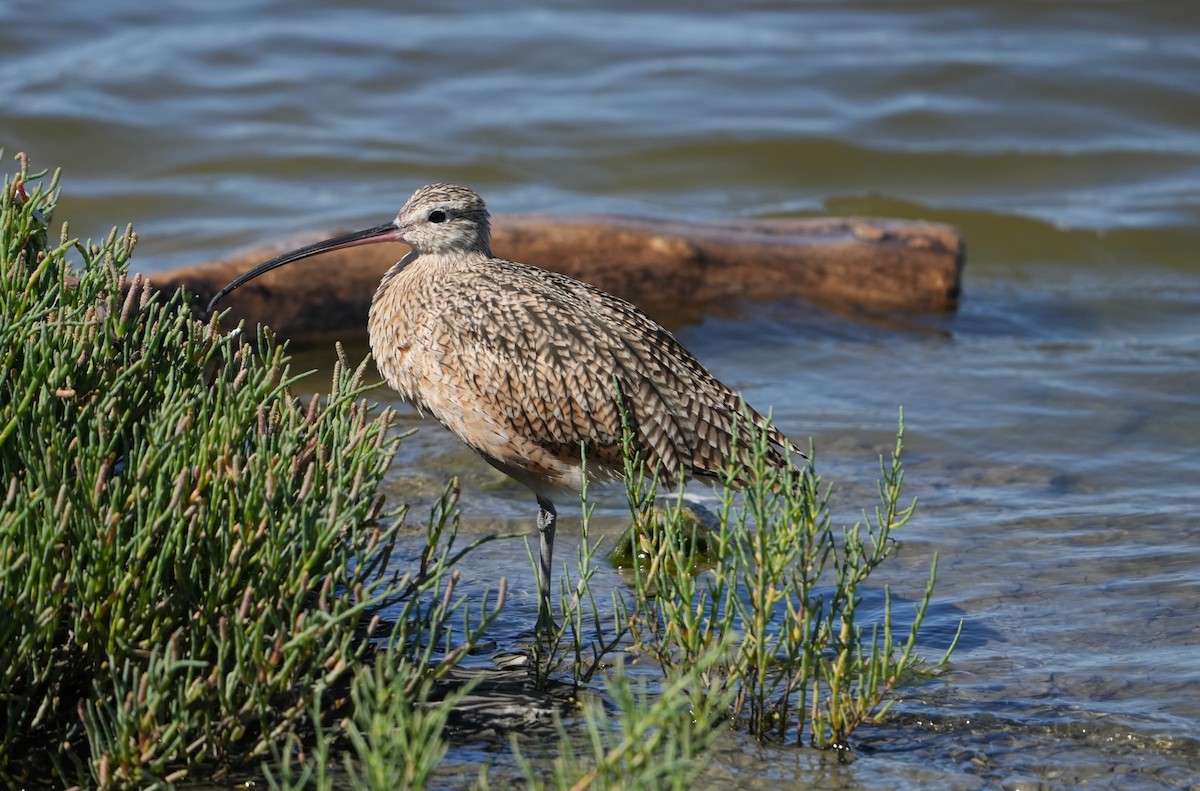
column 437, row 215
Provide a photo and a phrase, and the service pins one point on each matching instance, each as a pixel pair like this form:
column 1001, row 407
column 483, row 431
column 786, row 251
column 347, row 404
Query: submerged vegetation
column 199, row 577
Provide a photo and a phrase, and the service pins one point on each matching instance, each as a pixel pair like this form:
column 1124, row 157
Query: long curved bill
column 390, row 232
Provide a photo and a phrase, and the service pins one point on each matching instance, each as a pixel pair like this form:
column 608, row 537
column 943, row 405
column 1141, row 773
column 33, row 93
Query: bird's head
column 444, row 218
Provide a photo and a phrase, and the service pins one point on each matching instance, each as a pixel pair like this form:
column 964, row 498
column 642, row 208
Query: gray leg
column 545, row 523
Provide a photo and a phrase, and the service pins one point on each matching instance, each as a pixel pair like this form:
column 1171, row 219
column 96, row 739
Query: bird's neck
column 420, row 266
column 444, row 260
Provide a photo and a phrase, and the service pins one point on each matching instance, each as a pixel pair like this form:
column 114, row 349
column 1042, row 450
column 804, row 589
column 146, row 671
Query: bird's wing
column 719, row 423
column 555, row 357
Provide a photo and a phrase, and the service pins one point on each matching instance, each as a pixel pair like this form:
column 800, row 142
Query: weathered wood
column 676, row 271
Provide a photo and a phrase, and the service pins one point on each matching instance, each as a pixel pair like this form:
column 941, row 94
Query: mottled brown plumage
column 528, row 366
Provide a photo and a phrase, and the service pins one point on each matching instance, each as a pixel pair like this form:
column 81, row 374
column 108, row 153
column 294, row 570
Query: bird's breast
column 399, row 330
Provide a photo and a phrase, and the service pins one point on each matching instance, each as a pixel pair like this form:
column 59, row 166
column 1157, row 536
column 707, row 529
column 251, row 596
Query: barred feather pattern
column 528, row 366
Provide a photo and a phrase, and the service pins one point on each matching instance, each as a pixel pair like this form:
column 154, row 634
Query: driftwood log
column 675, row 271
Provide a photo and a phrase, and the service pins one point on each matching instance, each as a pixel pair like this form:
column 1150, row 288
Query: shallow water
column 1053, row 423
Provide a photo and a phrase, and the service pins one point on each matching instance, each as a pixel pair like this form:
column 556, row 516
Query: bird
column 538, row 372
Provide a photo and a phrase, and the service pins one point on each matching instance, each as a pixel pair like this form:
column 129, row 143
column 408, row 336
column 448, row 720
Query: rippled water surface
column 1054, row 422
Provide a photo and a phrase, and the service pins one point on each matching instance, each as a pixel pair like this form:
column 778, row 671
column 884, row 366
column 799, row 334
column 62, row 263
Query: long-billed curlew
column 530, row 368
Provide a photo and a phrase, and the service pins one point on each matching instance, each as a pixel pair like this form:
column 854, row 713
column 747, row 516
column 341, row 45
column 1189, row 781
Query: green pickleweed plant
column 400, row 703
column 657, row 738
column 778, row 576
column 192, row 559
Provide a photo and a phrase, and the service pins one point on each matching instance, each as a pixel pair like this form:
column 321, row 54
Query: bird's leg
column 545, row 523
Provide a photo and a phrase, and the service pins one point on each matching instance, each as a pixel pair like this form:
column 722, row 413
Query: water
column 1053, row 422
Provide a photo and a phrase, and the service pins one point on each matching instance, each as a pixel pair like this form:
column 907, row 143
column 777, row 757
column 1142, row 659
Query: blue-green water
column 1054, row 423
